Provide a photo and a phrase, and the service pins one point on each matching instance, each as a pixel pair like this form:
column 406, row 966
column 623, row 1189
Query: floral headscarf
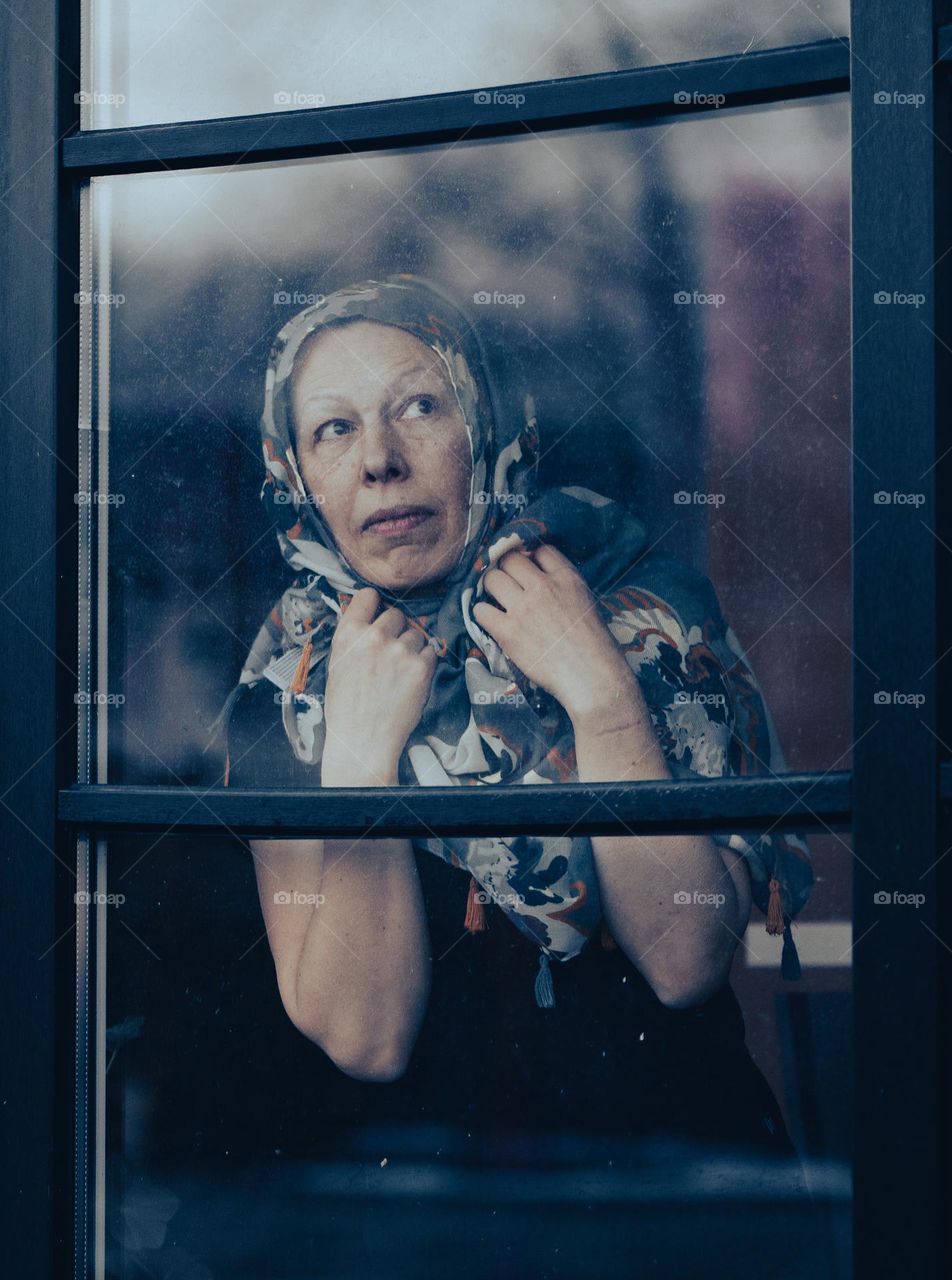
column 484, row 722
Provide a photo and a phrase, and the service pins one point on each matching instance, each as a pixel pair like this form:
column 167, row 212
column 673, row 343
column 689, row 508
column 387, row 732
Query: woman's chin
column 404, row 570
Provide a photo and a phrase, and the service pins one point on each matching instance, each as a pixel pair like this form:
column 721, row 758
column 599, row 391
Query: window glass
column 233, row 1144
column 676, row 303
column 675, row 300
column 188, row 59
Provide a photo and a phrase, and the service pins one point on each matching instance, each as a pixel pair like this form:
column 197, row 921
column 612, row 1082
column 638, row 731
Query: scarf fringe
column 299, row 682
column 475, row 911
column 778, row 922
column 476, row 923
column 789, row 960
column 219, row 728
column 774, row 908
column 544, row 990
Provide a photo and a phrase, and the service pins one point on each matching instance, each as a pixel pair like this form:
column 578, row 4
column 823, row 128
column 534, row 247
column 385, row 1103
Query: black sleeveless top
column 494, row 1073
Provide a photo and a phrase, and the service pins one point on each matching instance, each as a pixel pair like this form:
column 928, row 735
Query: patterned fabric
column 485, row 723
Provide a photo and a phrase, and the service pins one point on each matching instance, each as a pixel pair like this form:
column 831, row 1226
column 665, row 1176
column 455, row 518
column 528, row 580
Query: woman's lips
column 402, row 521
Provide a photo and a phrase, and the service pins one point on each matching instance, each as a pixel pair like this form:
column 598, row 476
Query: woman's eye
column 421, row 407
column 332, row 430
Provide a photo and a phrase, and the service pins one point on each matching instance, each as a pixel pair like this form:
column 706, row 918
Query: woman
column 449, row 623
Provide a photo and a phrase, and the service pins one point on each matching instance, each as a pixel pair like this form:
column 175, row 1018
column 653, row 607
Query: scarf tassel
column 475, row 910
column 476, row 923
column 544, row 990
column 778, row 923
column 774, row 908
column 789, row 960
column 219, row 729
column 299, row 683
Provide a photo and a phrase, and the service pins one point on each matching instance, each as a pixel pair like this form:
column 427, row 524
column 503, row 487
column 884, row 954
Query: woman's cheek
column 331, row 487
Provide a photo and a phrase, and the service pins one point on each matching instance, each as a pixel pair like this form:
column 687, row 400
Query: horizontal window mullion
column 705, row 84
column 802, row 802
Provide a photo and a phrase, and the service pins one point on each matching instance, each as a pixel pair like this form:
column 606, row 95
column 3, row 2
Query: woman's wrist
column 353, row 768
column 619, row 743
column 613, row 702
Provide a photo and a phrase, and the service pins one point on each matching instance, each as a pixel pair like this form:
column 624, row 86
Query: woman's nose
column 381, row 458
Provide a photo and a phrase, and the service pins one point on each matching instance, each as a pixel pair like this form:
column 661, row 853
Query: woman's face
column 384, row 451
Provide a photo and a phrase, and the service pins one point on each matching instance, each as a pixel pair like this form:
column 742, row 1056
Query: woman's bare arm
column 677, row 905
column 352, row 954
column 347, row 931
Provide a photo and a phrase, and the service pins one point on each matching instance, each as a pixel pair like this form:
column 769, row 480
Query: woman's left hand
column 549, row 626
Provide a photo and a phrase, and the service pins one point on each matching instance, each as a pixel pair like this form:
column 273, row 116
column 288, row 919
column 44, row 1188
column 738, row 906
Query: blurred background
column 679, row 294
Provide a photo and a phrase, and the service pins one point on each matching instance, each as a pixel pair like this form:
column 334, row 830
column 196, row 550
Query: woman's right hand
column 379, row 675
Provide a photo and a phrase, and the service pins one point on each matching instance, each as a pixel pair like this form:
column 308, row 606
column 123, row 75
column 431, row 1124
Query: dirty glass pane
column 604, row 1137
column 675, row 301
column 188, row 59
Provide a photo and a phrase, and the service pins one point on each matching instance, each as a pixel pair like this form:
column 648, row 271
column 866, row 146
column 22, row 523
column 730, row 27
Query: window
column 686, row 259
column 190, row 61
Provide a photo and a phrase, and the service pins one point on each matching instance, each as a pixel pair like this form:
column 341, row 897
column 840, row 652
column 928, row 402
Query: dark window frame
column 890, row 799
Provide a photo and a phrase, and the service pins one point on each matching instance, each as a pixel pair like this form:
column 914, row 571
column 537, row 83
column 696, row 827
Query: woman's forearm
column 363, row 975
column 670, row 902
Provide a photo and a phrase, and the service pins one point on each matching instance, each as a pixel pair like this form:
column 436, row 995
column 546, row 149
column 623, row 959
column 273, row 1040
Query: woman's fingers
column 518, row 566
column 391, row 622
column 363, row 606
column 551, row 559
column 491, row 620
column 413, row 638
column 502, row 587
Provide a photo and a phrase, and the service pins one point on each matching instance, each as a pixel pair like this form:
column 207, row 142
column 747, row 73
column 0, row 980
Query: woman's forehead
column 332, row 362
